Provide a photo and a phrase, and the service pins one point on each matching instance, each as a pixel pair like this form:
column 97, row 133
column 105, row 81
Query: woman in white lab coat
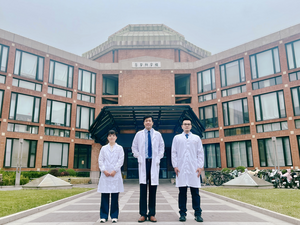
column 111, row 159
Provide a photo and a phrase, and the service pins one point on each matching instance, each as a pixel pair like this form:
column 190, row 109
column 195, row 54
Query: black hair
column 186, row 118
column 148, row 116
column 111, row 132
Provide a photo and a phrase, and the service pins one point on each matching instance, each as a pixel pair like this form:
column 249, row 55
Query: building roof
column 146, row 36
column 122, row 118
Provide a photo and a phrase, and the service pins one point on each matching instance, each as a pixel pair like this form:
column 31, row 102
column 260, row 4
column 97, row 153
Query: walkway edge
column 28, row 212
column 268, row 212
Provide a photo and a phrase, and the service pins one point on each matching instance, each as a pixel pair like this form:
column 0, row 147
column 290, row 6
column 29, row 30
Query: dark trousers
column 114, row 206
column 182, row 198
column 152, row 193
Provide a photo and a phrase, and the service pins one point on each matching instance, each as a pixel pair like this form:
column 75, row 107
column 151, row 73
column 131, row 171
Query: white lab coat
column 138, row 150
column 109, row 161
column 187, row 156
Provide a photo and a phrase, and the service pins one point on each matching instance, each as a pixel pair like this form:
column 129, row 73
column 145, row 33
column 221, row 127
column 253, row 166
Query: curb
column 268, row 212
column 28, row 212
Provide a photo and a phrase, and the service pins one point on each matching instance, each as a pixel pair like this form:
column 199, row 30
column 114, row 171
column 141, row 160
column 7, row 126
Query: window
column 110, row 85
column 2, row 79
column 265, row 63
column 59, row 92
column 297, row 124
column 24, row 108
column 293, row 54
column 235, row 112
column 109, row 100
column 233, row 91
column 206, row 80
column 86, row 98
column 1, row 101
column 272, row 127
column 209, row 116
column 210, row 96
column 210, row 134
column 28, row 149
column 86, row 81
column 84, row 117
column 239, row 154
column 294, row 76
column 3, row 57
column 236, row 131
column 29, row 65
column 267, row 83
column 26, row 84
column 61, row 74
column 57, row 132
column 82, row 157
column 182, row 84
column 183, row 100
column 58, row 113
column 55, row 154
column 267, row 153
column 212, row 157
column 296, row 100
column 82, row 135
column 232, row 73
column 269, row 106
column 22, row 128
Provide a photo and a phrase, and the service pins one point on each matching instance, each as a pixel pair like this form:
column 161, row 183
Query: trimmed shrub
column 64, row 173
column 54, row 172
column 61, row 170
column 82, row 174
column 225, row 170
column 33, row 174
column 241, row 169
column 71, row 172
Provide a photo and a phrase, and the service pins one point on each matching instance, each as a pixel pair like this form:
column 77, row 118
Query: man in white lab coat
column 188, row 162
column 148, row 147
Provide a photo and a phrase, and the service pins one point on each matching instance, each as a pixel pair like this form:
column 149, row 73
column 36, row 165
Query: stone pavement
column 85, row 210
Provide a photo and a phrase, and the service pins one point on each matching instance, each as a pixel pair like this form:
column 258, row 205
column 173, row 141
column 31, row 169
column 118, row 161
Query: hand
column 176, row 170
column 198, row 171
column 113, row 173
column 106, row 173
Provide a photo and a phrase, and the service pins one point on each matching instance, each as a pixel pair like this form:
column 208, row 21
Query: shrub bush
column 23, row 180
column 54, row 172
column 33, row 174
column 64, row 173
column 225, row 170
column 241, row 169
column 71, row 172
column 82, row 174
column 61, row 170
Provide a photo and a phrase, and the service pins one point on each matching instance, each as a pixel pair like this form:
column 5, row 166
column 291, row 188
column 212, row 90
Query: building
column 245, row 97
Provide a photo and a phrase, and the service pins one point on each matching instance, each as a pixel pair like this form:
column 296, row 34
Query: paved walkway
column 85, row 210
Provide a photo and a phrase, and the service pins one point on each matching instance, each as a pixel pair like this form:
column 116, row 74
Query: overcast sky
column 78, row 26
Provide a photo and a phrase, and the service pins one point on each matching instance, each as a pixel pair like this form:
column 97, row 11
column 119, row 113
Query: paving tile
column 68, row 217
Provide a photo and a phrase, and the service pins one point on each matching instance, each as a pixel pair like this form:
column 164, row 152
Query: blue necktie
column 149, row 145
column 187, row 136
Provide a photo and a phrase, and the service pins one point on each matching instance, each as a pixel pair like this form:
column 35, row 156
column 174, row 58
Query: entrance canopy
column 129, row 119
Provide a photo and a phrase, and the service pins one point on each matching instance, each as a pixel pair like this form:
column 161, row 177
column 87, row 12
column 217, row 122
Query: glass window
column 207, row 97
column 26, row 84
column 83, row 135
column 267, row 83
column 22, row 128
column 212, row 156
column 2, row 79
column 61, row 74
column 82, row 156
column 55, row 154
column 57, row 132
column 269, row 106
column 1, row 101
column 58, row 113
column 233, row 91
column 210, row 134
column 294, row 76
column 29, row 65
column 232, row 73
column 293, row 54
column 86, row 81
column 265, row 63
column 182, row 84
column 209, row 116
column 267, row 154
column 296, row 100
column 86, row 98
column 59, row 92
column 110, row 84
column 24, row 108
column 206, row 80
column 235, row 112
column 239, row 154
column 26, row 147
column 272, row 127
column 3, row 57
column 84, row 117
column 237, row 131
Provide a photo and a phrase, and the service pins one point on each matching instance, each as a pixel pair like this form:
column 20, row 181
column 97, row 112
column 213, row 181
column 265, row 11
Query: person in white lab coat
column 111, row 159
column 148, row 147
column 188, row 162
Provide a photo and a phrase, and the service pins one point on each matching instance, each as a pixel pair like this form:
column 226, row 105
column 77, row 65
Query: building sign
column 146, row 64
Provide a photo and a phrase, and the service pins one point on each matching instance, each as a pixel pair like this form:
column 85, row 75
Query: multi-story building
column 247, row 98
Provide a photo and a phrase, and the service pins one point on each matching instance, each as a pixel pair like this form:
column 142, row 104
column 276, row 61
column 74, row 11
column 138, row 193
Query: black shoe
column 182, row 218
column 199, row 219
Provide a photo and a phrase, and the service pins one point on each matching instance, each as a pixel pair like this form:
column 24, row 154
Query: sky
column 78, row 26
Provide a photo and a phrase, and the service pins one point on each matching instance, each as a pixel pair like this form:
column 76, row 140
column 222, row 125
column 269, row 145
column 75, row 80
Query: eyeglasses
column 186, row 124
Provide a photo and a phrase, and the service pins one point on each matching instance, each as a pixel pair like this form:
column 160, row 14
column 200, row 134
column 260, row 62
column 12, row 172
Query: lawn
column 284, row 201
column 20, row 200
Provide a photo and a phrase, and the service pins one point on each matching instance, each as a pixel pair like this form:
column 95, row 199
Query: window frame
column 36, row 84
column 89, row 153
column 79, row 116
column 65, row 113
column 228, row 112
column 216, row 155
column 215, row 119
column 104, row 82
column 1, row 57
column 53, row 74
column 248, row 143
column 258, row 82
column 225, row 73
column 213, row 87
column 293, row 53
column 62, row 152
column 183, row 76
column 92, row 86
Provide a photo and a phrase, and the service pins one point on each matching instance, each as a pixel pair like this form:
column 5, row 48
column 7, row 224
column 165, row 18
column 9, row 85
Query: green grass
column 20, row 200
column 284, row 201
